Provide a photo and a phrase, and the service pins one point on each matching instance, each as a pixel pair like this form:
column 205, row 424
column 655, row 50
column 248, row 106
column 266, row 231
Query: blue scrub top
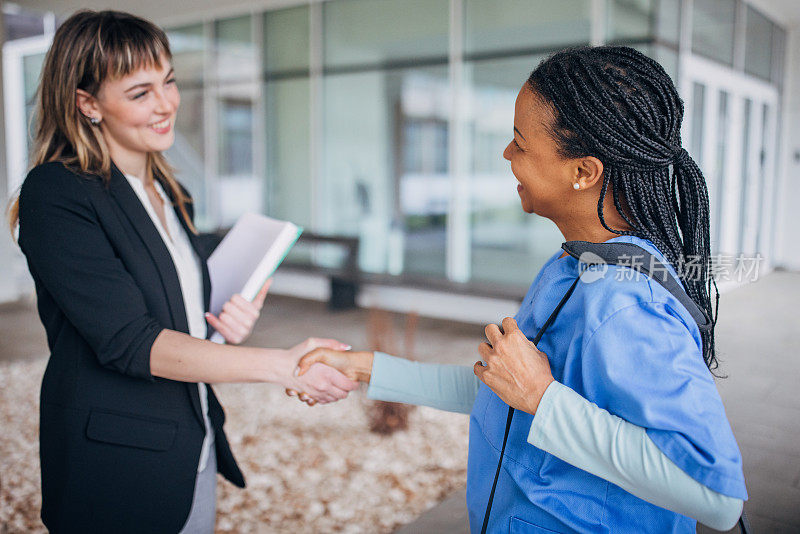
column 625, row 343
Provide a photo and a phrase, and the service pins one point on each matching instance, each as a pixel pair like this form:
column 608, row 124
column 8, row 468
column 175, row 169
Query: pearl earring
column 94, row 120
column 576, row 185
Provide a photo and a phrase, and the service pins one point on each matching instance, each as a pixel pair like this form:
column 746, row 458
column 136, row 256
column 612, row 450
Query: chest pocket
column 493, row 426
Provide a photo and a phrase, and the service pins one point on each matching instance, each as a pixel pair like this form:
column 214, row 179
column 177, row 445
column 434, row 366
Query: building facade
column 386, row 120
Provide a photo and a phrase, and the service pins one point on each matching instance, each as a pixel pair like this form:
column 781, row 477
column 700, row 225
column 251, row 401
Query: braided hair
column 618, row 105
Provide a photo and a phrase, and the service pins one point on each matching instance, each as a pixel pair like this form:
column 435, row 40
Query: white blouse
column 187, row 265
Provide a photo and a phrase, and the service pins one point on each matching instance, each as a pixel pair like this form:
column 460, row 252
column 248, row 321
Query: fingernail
column 296, row 371
column 347, row 347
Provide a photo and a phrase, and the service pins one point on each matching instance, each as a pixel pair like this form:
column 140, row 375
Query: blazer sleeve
column 71, row 257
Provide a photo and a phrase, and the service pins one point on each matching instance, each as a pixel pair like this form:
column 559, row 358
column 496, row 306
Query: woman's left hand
column 239, row 316
column 515, row 369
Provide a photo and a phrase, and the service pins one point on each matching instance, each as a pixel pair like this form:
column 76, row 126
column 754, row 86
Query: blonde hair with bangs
column 89, row 48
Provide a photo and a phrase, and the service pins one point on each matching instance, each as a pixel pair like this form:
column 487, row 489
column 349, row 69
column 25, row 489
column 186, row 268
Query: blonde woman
column 131, row 435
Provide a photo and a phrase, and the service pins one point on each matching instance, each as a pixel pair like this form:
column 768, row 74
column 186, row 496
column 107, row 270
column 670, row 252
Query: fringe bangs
column 123, row 48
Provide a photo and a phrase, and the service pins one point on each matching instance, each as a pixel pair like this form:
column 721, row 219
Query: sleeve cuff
column 382, row 365
column 544, row 413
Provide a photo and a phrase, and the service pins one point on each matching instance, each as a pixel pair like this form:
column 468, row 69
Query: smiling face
column 562, row 189
column 545, row 177
column 137, row 111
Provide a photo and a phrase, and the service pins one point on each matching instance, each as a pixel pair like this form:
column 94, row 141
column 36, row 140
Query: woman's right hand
column 354, row 365
column 322, row 383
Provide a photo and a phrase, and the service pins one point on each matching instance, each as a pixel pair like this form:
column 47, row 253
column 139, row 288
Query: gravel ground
column 308, row 469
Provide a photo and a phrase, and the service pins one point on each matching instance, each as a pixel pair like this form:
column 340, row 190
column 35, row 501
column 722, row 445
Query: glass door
column 730, row 129
column 22, row 63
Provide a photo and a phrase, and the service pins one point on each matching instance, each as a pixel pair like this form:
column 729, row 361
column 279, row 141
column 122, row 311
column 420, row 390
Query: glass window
column 287, row 96
column 384, row 175
column 288, row 137
column 698, row 122
column 668, row 20
column 717, row 182
column 744, row 213
column 286, row 46
column 644, row 19
column 370, row 32
column 515, row 25
column 22, row 24
column 666, row 56
column 713, row 23
column 186, row 154
column 763, row 154
column 629, row 19
column 508, row 246
column 758, row 45
column 238, row 188
column 31, row 72
column 778, row 54
column 236, row 127
column 188, row 46
column 234, row 50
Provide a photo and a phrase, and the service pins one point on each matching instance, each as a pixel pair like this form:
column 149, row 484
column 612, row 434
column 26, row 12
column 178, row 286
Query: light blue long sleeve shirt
column 571, row 428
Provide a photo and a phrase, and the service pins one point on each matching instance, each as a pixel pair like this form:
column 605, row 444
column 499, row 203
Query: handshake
column 326, row 370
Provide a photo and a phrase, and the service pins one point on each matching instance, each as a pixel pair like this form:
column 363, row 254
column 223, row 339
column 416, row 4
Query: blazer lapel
column 198, row 248
column 126, row 198
column 194, row 393
column 129, row 202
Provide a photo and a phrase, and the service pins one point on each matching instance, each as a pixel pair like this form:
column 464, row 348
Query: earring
column 94, row 120
column 576, row 185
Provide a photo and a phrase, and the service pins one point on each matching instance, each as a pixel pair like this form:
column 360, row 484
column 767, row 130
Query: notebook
column 246, row 258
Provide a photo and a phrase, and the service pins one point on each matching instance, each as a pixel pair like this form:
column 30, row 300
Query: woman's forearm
column 446, row 387
column 586, row 436
column 178, row 356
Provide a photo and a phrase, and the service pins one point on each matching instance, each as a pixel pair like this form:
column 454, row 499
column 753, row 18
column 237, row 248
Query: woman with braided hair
column 618, row 424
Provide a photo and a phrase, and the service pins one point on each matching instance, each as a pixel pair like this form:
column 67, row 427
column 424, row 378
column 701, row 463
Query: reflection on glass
column 713, row 23
column 236, row 127
column 745, row 181
column 762, row 174
column 384, row 166
column 288, row 166
column 234, row 50
column 644, row 19
column 286, row 34
column 666, row 57
column 187, row 153
column 31, row 70
column 778, row 54
column 235, row 72
column 508, row 246
column 239, row 190
column 366, row 32
column 758, row 45
column 19, row 23
column 187, row 44
column 698, row 121
column 668, row 20
column 525, row 24
column 716, row 187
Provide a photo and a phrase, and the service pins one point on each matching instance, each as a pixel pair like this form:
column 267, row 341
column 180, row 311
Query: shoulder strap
column 638, row 259
column 510, row 415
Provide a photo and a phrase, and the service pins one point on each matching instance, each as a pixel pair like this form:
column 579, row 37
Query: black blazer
column 119, row 448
